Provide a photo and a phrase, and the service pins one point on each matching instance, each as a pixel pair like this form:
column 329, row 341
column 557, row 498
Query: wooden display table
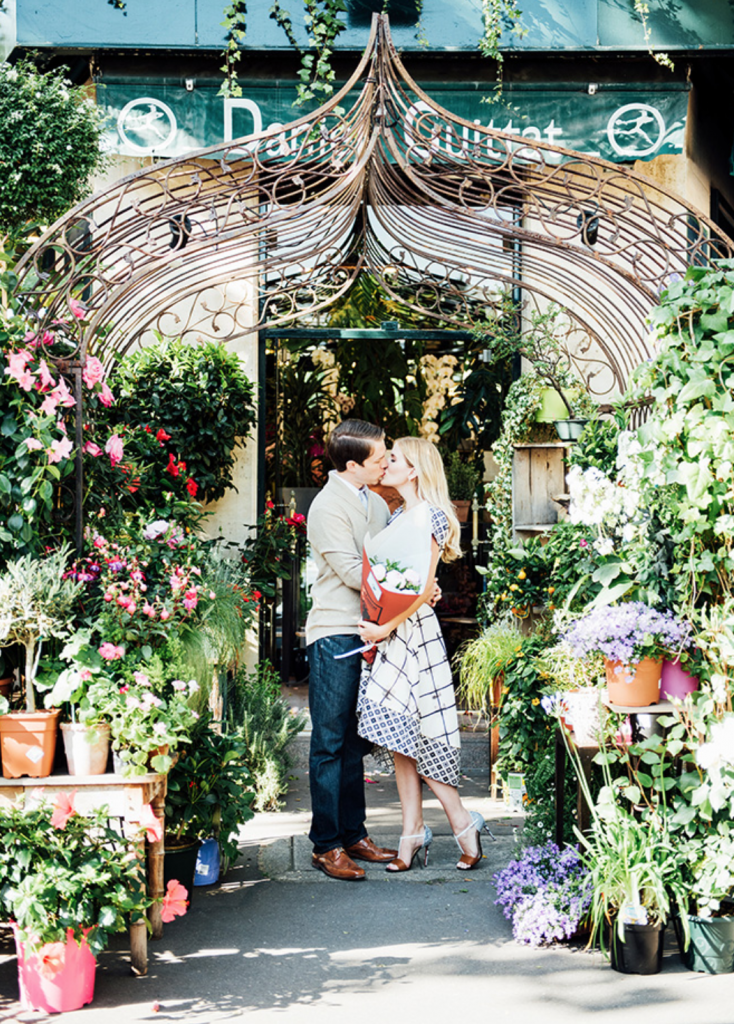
column 124, row 797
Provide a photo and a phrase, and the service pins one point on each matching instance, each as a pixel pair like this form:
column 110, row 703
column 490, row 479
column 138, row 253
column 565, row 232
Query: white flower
column 159, row 728
column 720, row 747
column 412, row 577
column 193, row 686
column 379, row 572
column 178, row 685
column 604, row 545
column 155, row 529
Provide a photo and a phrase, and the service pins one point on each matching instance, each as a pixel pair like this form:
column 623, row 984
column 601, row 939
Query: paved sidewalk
column 422, row 947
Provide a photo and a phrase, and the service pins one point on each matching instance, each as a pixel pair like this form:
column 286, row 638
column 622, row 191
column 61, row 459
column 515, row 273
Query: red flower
column 175, row 901
column 192, row 487
column 172, row 467
column 147, row 429
column 161, row 435
column 269, row 504
column 63, row 809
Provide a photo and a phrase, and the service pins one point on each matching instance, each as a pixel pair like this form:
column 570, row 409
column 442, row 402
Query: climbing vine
column 496, row 15
column 235, row 22
column 642, row 10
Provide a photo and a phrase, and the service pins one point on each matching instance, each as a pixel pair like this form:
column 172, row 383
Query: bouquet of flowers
column 395, row 565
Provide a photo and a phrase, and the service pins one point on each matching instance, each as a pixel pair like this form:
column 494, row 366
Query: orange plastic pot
column 634, row 686
column 28, row 743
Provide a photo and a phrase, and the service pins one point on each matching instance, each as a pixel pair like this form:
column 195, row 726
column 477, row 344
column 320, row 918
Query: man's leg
column 335, row 765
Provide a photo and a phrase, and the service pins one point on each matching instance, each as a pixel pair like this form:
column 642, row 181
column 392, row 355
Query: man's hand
column 437, row 595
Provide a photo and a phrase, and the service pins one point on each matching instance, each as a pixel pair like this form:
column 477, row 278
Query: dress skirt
column 407, row 703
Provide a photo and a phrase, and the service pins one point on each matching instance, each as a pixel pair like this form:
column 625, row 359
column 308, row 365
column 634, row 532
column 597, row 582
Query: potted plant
column 209, row 796
column 462, row 479
column 36, row 601
column 633, row 639
column 67, row 882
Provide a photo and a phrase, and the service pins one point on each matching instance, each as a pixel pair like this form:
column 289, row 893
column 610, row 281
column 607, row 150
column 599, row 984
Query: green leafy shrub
column 49, row 144
column 199, row 396
column 258, row 713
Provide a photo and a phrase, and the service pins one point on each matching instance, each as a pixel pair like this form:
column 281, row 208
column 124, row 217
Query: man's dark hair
column 352, row 441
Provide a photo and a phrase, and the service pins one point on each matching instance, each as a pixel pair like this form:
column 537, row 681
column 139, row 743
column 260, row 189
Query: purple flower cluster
column 627, row 633
column 546, row 893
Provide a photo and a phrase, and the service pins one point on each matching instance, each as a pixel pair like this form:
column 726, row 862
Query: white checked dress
column 406, row 697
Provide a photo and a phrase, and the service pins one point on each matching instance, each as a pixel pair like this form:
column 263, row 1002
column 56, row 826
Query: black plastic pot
column 180, row 863
column 642, row 949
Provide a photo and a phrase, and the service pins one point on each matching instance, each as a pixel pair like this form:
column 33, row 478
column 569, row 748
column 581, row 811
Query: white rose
column 379, row 571
column 394, row 580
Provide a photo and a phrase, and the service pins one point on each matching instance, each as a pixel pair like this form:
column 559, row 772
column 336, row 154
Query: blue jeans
column 335, row 764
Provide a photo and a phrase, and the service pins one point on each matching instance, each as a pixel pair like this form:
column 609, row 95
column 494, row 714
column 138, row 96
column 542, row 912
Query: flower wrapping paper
column 407, row 540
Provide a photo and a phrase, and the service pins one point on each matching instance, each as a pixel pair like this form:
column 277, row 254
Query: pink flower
column 62, row 394
column 17, row 363
column 583, row 543
column 105, row 396
column 149, row 610
column 92, row 449
column 63, row 809
column 44, row 375
column 152, row 824
column 175, row 901
column 93, row 372
column 48, row 405
column 141, row 679
column 190, row 601
column 77, row 309
column 111, row 652
column 165, row 614
column 51, row 959
column 33, row 444
column 60, row 450
column 114, row 449
column 85, row 675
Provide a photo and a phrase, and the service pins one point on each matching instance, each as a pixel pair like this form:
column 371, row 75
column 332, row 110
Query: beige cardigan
column 337, row 526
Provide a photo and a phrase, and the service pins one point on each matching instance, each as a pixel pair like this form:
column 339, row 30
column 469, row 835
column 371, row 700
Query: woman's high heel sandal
column 426, row 837
column 478, row 824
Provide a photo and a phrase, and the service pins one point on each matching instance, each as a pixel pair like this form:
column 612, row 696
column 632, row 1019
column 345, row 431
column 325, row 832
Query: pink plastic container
column 675, row 682
column 69, row 988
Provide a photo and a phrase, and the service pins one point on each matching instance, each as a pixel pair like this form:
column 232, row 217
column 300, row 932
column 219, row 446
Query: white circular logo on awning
column 636, row 130
column 147, row 125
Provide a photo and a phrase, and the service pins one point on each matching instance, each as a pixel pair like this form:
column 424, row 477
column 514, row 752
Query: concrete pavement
column 421, row 947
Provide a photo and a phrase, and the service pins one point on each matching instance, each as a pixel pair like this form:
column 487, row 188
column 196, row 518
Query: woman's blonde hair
column 423, row 456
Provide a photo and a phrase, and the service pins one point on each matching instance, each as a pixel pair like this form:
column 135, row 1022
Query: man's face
column 373, row 468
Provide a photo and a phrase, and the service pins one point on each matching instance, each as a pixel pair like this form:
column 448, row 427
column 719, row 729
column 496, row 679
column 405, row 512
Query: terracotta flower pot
column 57, row 978
column 87, row 748
column 634, row 685
column 461, row 508
column 28, row 743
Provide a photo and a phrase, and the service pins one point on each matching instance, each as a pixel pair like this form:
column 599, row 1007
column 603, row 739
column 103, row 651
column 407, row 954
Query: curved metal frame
column 444, row 213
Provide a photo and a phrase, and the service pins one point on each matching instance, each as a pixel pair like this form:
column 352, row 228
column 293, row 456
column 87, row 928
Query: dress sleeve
column 439, row 526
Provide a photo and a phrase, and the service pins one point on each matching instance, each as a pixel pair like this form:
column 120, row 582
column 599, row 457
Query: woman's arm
column 372, row 632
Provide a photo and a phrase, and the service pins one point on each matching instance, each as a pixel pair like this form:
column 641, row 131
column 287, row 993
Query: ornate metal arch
column 444, row 213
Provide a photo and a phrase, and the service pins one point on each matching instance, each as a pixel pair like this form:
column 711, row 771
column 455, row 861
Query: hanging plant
column 235, row 21
column 496, row 14
column 642, row 10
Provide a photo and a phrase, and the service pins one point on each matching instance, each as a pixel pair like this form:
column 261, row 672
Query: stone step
column 474, row 753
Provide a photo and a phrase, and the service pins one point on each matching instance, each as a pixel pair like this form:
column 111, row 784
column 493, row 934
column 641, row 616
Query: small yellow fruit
column 522, row 575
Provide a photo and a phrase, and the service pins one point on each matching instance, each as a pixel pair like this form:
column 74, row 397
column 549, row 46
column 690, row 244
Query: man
column 341, row 515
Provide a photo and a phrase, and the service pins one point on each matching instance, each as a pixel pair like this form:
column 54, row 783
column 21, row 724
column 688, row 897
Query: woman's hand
column 371, row 632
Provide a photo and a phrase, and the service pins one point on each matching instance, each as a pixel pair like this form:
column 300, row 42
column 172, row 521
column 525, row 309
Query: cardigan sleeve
column 331, row 533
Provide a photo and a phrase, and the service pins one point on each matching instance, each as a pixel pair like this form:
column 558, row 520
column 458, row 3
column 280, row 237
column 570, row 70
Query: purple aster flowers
column 546, row 893
column 627, row 633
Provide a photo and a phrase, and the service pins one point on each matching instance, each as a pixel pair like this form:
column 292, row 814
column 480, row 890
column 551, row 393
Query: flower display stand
column 124, row 798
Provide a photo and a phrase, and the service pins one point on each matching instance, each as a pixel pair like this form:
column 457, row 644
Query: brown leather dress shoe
column 336, row 864
column 365, row 849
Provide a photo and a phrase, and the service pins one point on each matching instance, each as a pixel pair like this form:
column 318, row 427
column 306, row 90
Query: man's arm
column 330, row 532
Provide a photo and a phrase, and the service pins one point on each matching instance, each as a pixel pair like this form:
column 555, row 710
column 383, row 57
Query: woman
column 406, row 702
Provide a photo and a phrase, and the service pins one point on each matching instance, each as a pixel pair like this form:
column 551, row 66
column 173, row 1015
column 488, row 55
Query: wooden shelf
column 661, row 708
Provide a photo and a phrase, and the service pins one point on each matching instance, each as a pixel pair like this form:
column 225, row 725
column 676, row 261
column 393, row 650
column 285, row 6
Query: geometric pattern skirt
column 407, row 702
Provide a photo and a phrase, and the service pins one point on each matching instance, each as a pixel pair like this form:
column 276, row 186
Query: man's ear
column 352, row 465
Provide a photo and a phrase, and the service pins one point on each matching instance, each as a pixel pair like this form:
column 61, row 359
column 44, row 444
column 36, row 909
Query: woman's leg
column 411, row 805
column 459, row 817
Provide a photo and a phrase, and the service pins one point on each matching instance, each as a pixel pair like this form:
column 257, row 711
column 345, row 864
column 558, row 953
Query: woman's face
column 399, row 471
